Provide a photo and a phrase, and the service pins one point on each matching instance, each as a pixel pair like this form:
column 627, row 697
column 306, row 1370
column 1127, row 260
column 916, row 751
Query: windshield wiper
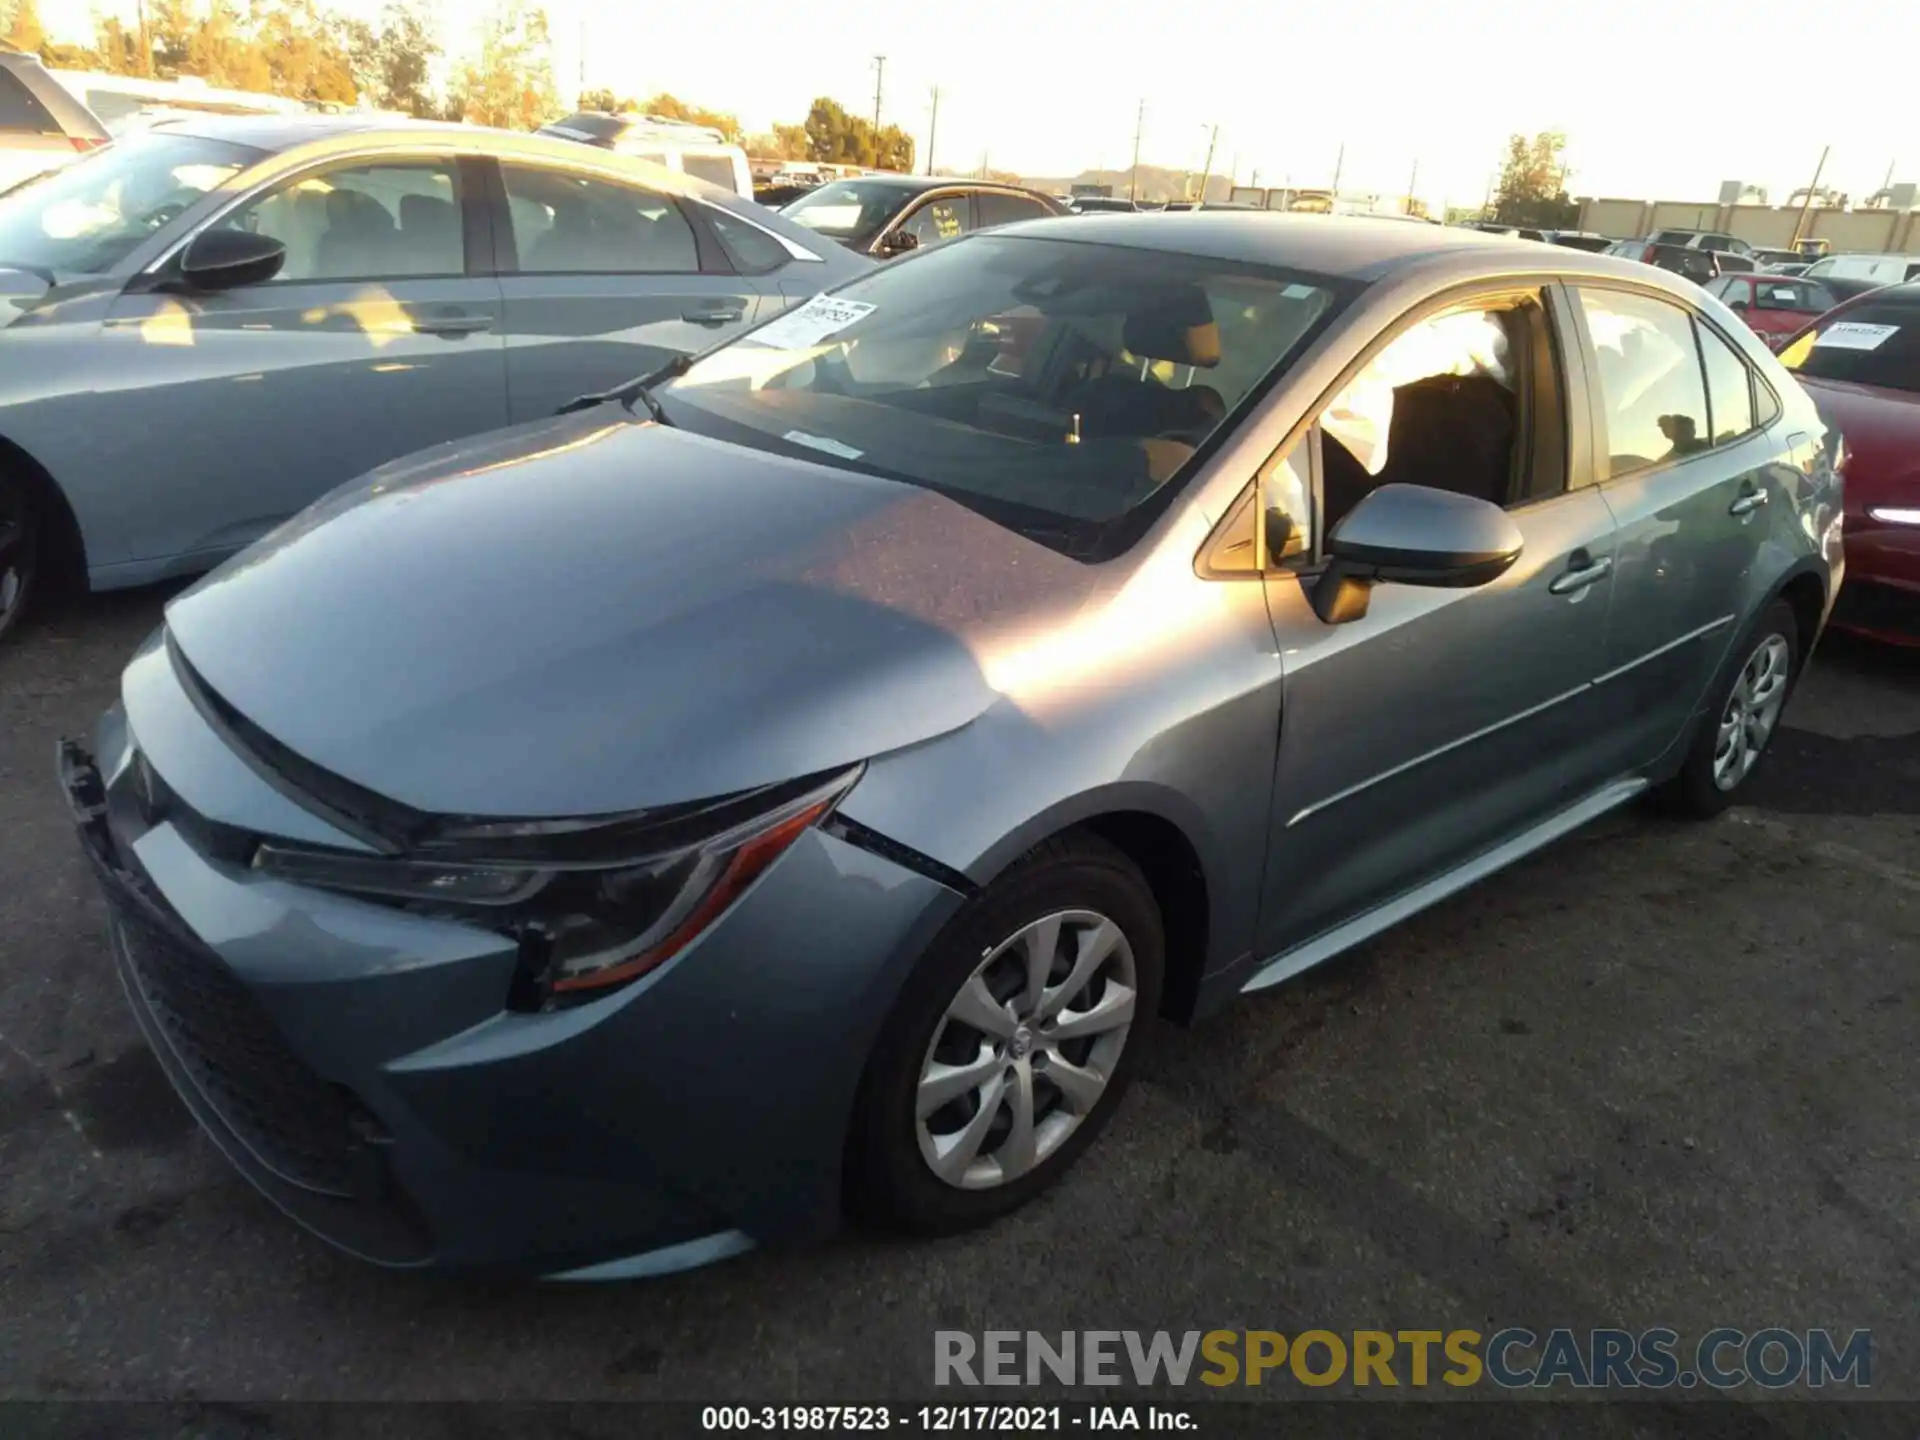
column 640, row 389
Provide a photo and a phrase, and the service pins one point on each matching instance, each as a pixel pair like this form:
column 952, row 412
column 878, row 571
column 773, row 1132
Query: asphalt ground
column 1658, row 1075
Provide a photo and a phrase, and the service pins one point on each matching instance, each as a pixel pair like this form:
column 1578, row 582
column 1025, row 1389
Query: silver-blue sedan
column 206, row 326
column 653, row 831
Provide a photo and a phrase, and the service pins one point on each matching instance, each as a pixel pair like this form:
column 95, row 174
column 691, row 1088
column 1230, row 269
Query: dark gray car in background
column 209, row 324
column 613, row 843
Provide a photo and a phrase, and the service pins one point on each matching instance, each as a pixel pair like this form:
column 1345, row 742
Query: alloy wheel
column 1752, row 711
column 1025, row 1050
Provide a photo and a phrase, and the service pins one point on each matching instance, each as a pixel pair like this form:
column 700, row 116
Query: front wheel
column 19, row 551
column 1011, row 1044
column 1746, row 712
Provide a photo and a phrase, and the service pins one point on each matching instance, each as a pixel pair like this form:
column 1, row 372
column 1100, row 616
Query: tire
column 1712, row 776
column 19, row 551
column 1083, row 884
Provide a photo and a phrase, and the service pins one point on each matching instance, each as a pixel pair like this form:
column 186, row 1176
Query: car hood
column 590, row 615
column 1882, row 430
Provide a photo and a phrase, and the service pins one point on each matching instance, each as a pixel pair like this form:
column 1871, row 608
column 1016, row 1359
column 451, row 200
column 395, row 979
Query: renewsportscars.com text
column 1514, row 1358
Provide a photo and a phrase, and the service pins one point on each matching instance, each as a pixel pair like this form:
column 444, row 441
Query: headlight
column 595, row 902
column 1895, row 514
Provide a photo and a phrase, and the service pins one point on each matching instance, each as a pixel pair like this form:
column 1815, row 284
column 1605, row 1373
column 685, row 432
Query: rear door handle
column 1573, row 581
column 1749, row 501
column 452, row 327
column 715, row 315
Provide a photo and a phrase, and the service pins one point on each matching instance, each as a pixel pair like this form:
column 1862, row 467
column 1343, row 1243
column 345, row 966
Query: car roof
column 1356, row 247
column 277, row 133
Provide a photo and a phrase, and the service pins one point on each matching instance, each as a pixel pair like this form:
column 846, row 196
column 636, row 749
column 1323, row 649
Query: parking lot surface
column 1657, row 1075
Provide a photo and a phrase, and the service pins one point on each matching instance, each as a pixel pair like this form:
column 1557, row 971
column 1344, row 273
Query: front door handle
column 716, row 315
column 452, row 327
column 1573, row 581
column 1750, row 500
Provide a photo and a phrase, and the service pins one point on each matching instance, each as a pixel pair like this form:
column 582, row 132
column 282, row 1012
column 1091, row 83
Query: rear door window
column 21, row 112
column 1654, row 395
column 564, row 223
column 998, row 209
column 1729, row 388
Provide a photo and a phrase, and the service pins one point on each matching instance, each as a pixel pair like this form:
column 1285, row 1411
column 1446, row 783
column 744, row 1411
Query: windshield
column 91, row 215
column 849, row 209
column 1056, row 386
column 1874, row 343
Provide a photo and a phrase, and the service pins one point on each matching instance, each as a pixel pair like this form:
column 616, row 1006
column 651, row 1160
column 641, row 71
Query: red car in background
column 1775, row 307
column 1861, row 364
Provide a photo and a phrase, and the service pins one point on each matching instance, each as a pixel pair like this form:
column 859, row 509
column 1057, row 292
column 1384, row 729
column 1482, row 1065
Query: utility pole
column 984, row 156
column 1411, row 181
column 1339, row 164
column 933, row 128
column 583, row 55
column 1206, row 170
column 879, row 76
column 1133, row 175
column 146, row 38
column 1800, row 225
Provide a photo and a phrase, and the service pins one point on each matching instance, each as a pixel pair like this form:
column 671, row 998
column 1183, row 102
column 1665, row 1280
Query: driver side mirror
column 1412, row 535
column 898, row 242
column 227, row 259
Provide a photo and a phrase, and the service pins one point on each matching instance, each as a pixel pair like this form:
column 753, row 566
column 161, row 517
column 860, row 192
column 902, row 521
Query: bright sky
column 1654, row 98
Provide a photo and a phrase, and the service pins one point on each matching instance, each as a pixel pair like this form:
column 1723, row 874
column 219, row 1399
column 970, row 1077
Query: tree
column 837, row 138
column 23, row 31
column 1533, row 184
column 598, row 100
column 671, row 108
column 391, row 61
column 508, row 81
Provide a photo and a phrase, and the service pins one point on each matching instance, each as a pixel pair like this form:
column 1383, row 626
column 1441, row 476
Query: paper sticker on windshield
column 822, row 443
column 810, row 323
column 1854, row 335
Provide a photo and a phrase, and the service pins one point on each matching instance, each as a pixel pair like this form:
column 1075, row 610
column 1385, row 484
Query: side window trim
column 479, row 215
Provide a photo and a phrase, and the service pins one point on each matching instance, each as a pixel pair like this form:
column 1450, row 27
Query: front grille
column 294, row 1123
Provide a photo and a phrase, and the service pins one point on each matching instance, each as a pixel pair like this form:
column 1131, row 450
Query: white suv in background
column 696, row 151
column 42, row 127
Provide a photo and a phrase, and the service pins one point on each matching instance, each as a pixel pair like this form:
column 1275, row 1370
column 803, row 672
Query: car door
column 1686, row 467
column 234, row 409
column 604, row 279
column 1443, row 721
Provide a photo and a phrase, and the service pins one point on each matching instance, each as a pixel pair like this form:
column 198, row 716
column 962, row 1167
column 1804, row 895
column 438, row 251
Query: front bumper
column 358, row 1065
column 1881, row 598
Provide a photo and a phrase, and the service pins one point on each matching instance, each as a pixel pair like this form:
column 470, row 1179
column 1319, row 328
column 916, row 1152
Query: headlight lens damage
column 594, row 902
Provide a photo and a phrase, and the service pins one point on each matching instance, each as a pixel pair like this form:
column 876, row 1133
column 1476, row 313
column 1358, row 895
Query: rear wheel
column 1747, row 711
column 19, row 551
column 1011, row 1045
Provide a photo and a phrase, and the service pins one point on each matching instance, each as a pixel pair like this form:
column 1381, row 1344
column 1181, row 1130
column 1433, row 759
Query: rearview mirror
column 224, row 259
column 1412, row 535
column 898, row 242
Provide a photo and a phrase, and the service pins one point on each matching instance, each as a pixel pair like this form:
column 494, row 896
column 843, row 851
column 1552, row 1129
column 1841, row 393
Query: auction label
column 1854, row 335
column 810, row 323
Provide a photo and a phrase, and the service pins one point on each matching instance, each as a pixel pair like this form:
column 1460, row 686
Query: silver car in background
column 214, row 321
column 650, row 832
